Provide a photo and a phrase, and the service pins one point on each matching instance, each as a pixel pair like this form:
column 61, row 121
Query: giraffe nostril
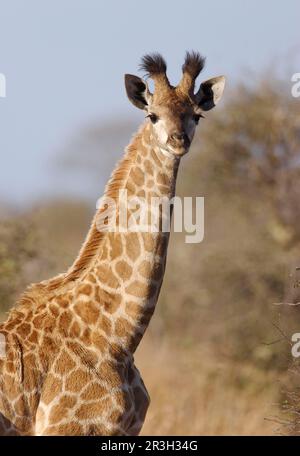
column 180, row 137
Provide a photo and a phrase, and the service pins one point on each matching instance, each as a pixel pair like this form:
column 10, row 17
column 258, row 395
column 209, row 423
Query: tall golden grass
column 197, row 392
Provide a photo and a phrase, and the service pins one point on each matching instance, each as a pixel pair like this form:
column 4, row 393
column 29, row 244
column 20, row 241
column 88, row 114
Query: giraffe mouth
column 171, row 151
column 180, row 150
column 179, row 147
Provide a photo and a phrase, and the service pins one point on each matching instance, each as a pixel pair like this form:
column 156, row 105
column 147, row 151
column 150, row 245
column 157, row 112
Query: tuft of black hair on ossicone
column 153, row 64
column 193, row 64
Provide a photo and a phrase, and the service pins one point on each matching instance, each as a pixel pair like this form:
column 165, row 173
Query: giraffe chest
column 108, row 398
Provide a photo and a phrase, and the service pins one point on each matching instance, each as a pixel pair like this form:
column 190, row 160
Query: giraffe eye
column 153, row 118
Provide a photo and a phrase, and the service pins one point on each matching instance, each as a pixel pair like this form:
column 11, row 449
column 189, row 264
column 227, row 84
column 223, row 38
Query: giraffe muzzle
column 179, row 141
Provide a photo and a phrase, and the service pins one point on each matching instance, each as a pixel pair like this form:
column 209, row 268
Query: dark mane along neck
column 94, row 239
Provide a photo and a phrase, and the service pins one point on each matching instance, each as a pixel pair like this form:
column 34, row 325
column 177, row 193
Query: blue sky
column 64, row 62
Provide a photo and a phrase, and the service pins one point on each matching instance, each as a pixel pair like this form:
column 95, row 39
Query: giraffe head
column 174, row 112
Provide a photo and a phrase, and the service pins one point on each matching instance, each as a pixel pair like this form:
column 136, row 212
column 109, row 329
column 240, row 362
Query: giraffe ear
column 137, row 91
column 210, row 93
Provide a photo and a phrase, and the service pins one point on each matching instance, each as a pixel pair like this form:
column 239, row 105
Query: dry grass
column 196, row 393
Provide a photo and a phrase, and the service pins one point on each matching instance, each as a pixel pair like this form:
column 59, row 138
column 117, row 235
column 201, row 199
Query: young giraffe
column 69, row 367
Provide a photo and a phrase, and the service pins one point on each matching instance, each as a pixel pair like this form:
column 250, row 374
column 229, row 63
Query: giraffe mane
column 93, row 241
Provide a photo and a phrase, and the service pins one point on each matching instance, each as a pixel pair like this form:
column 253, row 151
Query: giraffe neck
column 125, row 269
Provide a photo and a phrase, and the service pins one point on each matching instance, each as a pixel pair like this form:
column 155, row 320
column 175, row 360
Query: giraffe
column 68, row 367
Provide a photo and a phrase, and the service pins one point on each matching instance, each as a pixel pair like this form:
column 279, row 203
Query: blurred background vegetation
column 216, row 357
